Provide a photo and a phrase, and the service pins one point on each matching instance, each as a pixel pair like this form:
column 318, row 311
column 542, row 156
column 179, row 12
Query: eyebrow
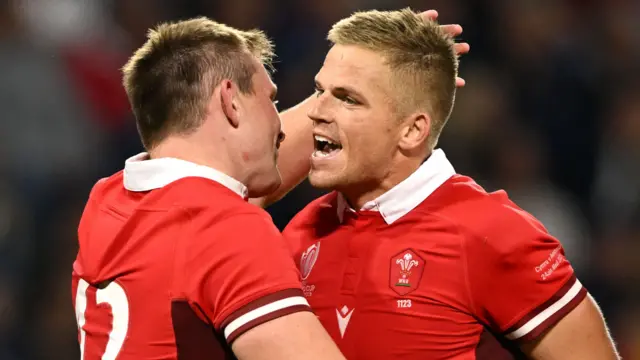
column 342, row 89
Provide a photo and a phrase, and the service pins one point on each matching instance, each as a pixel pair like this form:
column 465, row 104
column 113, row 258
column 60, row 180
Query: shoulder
column 107, row 190
column 207, row 207
column 316, row 219
column 504, row 226
column 224, row 231
column 240, row 218
column 321, row 211
column 106, row 185
column 203, row 200
column 490, row 220
column 201, row 192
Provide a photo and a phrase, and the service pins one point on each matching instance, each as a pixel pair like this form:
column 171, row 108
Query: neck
column 361, row 193
column 185, row 148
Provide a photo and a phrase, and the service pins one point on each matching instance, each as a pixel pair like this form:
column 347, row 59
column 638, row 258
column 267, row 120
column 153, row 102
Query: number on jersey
column 404, row 303
column 115, row 296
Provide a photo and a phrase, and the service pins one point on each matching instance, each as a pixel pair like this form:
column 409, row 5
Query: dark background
column 551, row 113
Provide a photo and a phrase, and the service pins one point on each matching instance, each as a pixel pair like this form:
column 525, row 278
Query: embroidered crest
column 406, row 271
column 308, row 259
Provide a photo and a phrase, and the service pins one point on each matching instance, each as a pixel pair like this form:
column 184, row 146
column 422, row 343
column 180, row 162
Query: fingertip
column 430, row 14
column 461, row 48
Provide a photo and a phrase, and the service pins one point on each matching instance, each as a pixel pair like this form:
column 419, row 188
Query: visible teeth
column 321, row 154
column 322, row 138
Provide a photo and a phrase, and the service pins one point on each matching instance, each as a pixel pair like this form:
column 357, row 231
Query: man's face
column 356, row 130
column 263, row 135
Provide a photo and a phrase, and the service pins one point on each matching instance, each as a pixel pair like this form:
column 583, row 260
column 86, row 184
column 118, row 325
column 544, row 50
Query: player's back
column 127, row 275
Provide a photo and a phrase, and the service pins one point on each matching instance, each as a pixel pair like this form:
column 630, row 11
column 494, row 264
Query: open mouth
column 325, row 147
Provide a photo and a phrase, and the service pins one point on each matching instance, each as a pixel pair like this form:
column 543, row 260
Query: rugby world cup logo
column 308, row 259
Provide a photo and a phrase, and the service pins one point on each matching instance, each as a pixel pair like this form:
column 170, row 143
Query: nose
column 320, row 110
column 281, row 137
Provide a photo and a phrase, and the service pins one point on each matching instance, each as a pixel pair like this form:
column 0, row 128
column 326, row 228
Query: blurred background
column 551, row 113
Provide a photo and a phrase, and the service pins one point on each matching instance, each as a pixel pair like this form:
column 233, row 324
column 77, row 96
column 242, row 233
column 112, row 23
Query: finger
column 461, row 48
column 460, row 82
column 452, row 29
column 429, row 15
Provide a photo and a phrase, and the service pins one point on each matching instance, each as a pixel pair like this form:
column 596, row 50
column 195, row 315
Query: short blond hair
column 420, row 54
column 171, row 77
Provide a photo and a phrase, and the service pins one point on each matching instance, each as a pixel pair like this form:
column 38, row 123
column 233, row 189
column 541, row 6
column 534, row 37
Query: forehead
column 355, row 66
column 261, row 79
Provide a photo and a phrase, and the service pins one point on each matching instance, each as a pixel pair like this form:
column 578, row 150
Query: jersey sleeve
column 242, row 273
column 520, row 281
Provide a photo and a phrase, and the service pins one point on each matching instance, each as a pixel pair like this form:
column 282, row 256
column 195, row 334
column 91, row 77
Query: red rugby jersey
column 436, row 268
column 175, row 264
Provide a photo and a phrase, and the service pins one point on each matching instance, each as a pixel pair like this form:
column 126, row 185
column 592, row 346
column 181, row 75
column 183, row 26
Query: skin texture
column 298, row 336
column 581, row 335
column 355, row 107
column 351, row 106
column 294, row 162
column 240, row 135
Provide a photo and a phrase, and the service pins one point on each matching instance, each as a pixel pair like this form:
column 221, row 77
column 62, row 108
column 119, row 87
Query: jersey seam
column 472, row 234
column 178, row 251
column 190, row 299
column 463, row 245
column 225, row 312
column 467, row 278
column 501, row 329
column 469, row 234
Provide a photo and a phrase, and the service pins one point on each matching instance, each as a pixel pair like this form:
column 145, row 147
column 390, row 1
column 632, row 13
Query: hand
column 453, row 30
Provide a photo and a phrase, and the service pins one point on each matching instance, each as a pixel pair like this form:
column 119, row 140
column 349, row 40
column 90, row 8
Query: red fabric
column 474, row 257
column 193, row 241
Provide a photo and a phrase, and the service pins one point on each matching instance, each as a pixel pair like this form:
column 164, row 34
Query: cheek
column 370, row 149
column 362, row 147
column 365, row 140
column 269, row 120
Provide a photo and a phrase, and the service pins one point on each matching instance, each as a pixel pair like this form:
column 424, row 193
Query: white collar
column 408, row 194
column 142, row 174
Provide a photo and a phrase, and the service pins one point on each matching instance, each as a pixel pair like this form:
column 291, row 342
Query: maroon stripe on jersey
column 263, row 319
column 283, row 294
column 492, row 347
column 559, row 294
column 194, row 338
column 553, row 319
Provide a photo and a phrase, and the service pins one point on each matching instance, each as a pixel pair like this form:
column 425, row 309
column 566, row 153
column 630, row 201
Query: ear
column 415, row 132
column 229, row 102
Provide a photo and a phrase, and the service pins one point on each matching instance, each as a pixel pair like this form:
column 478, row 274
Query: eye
column 350, row 101
column 347, row 99
column 319, row 92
